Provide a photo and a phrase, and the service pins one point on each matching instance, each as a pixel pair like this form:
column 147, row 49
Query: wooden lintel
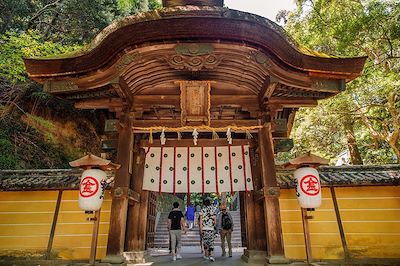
column 143, row 101
column 151, row 100
column 242, row 100
column 293, row 102
column 175, row 123
column 200, row 142
column 103, row 103
column 134, row 197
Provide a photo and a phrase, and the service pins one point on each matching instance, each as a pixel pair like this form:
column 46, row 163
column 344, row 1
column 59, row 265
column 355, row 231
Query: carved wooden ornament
column 195, row 102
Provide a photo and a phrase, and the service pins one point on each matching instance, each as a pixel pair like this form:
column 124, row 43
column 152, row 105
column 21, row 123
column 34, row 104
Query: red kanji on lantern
column 309, row 184
column 89, row 187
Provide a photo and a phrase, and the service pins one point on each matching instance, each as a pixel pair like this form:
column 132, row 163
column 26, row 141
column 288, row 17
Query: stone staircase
column 192, row 238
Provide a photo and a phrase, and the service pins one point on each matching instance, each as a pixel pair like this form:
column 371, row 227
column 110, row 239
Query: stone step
column 192, row 238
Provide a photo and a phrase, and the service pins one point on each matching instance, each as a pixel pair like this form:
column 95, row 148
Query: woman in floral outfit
column 207, row 228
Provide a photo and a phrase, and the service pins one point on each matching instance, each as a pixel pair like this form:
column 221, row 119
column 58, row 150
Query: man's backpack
column 226, row 222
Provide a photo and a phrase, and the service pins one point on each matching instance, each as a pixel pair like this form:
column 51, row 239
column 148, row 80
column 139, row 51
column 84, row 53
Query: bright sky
column 264, row 8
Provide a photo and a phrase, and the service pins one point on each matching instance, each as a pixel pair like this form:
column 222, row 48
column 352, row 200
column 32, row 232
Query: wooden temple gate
column 197, row 67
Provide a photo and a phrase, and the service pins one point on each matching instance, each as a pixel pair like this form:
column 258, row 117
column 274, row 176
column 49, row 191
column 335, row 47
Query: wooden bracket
column 267, row 192
column 120, row 192
column 124, row 192
column 134, row 197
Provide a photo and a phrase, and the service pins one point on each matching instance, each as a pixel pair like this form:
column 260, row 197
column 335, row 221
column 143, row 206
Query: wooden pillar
column 254, row 216
column 119, row 207
column 271, row 191
column 137, row 213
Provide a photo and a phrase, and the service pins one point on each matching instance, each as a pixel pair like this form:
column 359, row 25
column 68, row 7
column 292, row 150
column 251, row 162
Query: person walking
column 225, row 228
column 176, row 223
column 190, row 213
column 207, row 227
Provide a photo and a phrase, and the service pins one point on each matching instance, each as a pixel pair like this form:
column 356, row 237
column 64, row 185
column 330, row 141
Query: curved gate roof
column 136, row 63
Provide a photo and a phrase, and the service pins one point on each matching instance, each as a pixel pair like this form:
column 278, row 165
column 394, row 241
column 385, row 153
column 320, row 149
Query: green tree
column 366, row 117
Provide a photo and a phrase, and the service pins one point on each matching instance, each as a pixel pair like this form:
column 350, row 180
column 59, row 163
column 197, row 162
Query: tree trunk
column 355, row 156
column 396, row 149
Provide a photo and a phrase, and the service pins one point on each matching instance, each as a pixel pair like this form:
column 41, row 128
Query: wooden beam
column 151, row 100
column 123, row 88
column 144, row 101
column 340, row 225
column 290, row 123
column 175, row 123
column 200, row 142
column 269, row 90
column 242, row 100
column 53, row 225
column 103, row 103
column 292, row 102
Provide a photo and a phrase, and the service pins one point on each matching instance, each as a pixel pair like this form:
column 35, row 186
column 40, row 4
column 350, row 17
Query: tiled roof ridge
column 68, row 179
column 349, row 175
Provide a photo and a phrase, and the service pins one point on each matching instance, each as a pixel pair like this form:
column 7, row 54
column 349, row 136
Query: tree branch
column 41, row 11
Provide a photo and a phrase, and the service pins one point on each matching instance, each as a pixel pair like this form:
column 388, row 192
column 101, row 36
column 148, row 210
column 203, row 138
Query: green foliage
column 15, row 46
column 8, row 158
column 129, row 7
column 22, row 147
column 36, row 129
column 369, row 109
column 67, row 21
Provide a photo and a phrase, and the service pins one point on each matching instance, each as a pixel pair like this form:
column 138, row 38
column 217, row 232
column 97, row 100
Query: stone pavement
column 192, row 256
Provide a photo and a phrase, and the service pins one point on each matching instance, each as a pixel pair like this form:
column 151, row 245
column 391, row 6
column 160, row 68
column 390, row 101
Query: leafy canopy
column 366, row 118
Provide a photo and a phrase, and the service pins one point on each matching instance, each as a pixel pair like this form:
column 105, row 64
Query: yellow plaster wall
column 370, row 216
column 26, row 219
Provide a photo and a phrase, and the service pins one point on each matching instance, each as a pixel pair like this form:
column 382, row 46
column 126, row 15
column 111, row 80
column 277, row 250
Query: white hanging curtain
column 197, row 169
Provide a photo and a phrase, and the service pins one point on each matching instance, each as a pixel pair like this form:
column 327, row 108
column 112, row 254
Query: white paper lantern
column 92, row 187
column 308, row 189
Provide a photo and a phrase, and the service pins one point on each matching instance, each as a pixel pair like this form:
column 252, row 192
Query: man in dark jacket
column 225, row 228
